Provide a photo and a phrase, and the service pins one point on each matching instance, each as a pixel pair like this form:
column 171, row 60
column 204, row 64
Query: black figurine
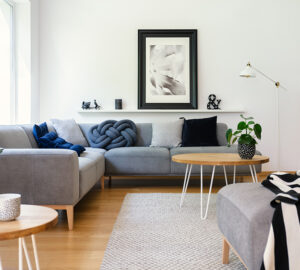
column 213, row 102
column 86, row 105
column 97, row 107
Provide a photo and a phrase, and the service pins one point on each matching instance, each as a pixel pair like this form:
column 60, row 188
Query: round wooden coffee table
column 33, row 219
column 214, row 159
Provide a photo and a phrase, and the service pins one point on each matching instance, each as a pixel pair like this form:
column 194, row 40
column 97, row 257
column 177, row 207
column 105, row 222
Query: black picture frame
column 191, row 34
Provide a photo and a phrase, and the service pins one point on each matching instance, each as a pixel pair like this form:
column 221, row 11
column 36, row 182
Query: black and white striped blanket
column 282, row 250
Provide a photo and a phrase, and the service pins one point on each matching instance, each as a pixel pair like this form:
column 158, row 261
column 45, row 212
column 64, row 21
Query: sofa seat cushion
column 13, row 137
column 178, row 168
column 87, row 174
column 244, row 218
column 137, row 161
column 96, row 154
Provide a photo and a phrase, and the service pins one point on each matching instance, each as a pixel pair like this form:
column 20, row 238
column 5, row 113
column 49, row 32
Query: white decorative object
column 167, row 134
column 9, row 206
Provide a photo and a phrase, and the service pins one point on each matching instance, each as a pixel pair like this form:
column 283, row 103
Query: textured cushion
column 69, row 130
column 46, row 139
column 200, row 132
column 112, row 134
column 137, row 161
column 13, row 137
column 244, row 217
column 178, row 168
column 167, row 134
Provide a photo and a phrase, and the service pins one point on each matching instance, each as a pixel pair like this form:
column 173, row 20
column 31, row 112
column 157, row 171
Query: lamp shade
column 248, row 72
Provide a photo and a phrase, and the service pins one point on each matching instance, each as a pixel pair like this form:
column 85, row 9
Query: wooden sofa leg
column 70, row 216
column 109, row 181
column 225, row 256
column 102, row 180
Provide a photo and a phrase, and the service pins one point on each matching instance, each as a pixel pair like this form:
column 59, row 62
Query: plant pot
column 246, row 151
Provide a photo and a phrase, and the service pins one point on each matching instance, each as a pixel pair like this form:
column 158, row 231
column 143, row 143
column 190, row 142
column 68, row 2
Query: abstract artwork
column 167, row 69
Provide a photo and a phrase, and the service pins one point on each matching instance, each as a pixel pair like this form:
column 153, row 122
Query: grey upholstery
column 28, row 131
column 137, row 161
column 41, row 176
column 244, row 217
column 221, row 132
column 144, row 134
column 179, row 169
column 13, row 137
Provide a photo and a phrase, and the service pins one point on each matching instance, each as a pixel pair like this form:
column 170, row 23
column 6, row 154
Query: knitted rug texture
column 152, row 232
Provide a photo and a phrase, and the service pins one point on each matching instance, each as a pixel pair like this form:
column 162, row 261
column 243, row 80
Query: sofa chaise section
column 56, row 178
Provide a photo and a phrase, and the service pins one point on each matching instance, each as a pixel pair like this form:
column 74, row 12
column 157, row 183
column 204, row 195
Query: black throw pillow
column 200, row 132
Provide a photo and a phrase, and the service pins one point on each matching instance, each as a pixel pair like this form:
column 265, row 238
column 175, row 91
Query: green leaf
column 234, row 140
column 237, row 132
column 251, row 122
column 246, row 139
column 257, row 130
column 242, row 125
column 246, row 118
column 229, row 135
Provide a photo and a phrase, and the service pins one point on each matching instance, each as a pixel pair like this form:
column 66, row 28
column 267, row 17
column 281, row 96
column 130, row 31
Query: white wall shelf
column 162, row 111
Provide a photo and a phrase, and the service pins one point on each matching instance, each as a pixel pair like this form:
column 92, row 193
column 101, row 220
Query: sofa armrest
column 41, row 176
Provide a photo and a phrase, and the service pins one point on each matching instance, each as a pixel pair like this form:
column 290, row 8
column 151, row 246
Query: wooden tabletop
column 33, row 219
column 218, row 159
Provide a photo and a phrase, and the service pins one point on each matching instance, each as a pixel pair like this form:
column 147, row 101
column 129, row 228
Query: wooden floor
column 82, row 248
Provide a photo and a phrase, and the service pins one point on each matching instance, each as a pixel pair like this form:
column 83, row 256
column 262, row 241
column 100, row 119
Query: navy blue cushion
column 200, row 132
column 46, row 139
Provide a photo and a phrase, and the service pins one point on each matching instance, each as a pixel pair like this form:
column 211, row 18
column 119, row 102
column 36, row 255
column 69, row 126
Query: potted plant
column 246, row 134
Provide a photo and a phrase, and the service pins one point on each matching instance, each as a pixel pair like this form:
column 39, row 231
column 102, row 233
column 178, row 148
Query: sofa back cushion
column 221, row 133
column 144, row 133
column 13, row 137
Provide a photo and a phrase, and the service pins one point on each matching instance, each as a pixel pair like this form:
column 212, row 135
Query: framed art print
column 167, row 69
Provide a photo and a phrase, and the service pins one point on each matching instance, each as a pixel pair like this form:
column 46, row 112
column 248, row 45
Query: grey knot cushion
column 112, row 134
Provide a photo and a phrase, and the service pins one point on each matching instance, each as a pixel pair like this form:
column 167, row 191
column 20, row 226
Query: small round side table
column 33, row 219
column 214, row 159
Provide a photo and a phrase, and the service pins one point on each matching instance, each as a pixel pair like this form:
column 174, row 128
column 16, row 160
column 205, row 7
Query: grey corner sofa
column 60, row 179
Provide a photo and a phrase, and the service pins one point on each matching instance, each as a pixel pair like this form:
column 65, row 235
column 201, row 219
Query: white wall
column 88, row 49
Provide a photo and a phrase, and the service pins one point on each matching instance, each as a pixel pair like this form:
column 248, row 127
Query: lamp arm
column 277, row 84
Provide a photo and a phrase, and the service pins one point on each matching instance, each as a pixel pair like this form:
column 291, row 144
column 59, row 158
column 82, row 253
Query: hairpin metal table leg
column 209, row 192
column 36, row 257
column 255, row 174
column 234, row 171
column 225, row 175
column 26, row 254
column 252, row 174
column 20, row 254
column 186, row 182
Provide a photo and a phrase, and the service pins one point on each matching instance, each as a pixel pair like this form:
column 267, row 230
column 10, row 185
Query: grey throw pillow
column 168, row 134
column 69, row 130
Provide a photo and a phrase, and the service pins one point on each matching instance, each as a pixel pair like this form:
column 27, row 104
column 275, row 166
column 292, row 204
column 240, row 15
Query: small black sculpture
column 87, row 105
column 97, row 107
column 213, row 103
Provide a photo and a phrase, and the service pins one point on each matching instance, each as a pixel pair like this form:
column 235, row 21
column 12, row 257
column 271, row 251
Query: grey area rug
column 152, row 232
